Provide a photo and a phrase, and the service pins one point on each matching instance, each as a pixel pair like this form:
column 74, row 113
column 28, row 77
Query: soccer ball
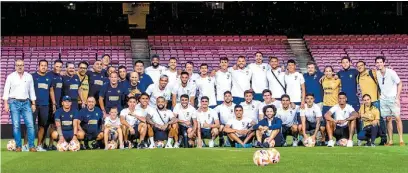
column 112, row 145
column 309, row 142
column 62, row 146
column 342, row 142
column 261, row 158
column 274, row 156
column 11, row 145
column 74, row 145
column 160, row 144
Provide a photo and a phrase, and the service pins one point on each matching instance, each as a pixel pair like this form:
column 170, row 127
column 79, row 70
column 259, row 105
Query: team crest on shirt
column 208, row 116
column 161, row 71
column 296, row 77
column 188, row 113
column 247, row 72
column 118, row 91
column 46, row 79
column 314, row 76
column 209, row 79
column 70, row 116
column 231, row 111
column 228, row 76
column 164, row 115
column 76, row 80
column 253, row 106
column 263, row 67
column 351, row 76
column 243, row 124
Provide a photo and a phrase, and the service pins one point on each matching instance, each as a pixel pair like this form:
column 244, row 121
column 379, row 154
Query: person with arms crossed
column 268, row 130
column 71, row 84
column 275, row 78
column 159, row 90
column 268, row 100
column 208, row 123
column 84, row 84
column 206, row 86
column 341, row 121
column 370, row 116
column 144, row 79
column 112, row 130
column 312, row 83
column 239, row 129
column 391, row 87
column 288, row 115
column 187, row 120
column 250, row 106
column 133, row 124
column 183, row 87
column 311, row 117
column 90, row 122
column 156, row 70
column 19, row 99
column 225, row 112
column 241, row 80
column 111, row 95
column 223, row 81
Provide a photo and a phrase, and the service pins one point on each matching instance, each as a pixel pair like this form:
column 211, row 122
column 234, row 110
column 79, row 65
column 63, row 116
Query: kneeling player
column 163, row 122
column 343, row 123
column 268, row 130
column 239, row 129
column 311, row 117
column 65, row 119
column 112, row 130
column 288, row 115
column 208, row 123
column 187, row 120
column 371, row 117
column 133, row 124
column 90, row 122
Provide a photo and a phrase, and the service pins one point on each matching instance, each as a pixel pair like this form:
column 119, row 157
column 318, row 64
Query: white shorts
column 389, row 107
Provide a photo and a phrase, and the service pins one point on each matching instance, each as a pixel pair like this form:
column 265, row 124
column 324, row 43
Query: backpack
column 371, row 74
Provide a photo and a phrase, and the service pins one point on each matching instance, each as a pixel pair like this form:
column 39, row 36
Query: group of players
column 259, row 104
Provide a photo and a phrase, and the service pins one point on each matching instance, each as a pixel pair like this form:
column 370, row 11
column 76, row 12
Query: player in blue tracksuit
column 111, row 95
column 96, row 80
column 312, row 83
column 90, row 120
column 71, row 84
column 144, row 79
column 42, row 85
column 269, row 129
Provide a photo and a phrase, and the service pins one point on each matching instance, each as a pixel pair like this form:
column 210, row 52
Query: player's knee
column 142, row 125
column 389, row 118
column 54, row 135
column 174, row 126
column 294, row 128
column 100, row 136
column 80, row 135
column 214, row 131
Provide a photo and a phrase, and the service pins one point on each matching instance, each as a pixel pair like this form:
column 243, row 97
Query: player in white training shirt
column 222, row 80
column 172, row 73
column 112, row 129
column 311, row 117
column 183, row 87
column 159, row 90
column 250, row 106
column 241, row 80
column 239, row 129
column 141, row 110
column 341, row 121
column 163, row 122
column 206, row 86
column 259, row 80
column 275, row 78
column 189, row 68
column 187, row 120
column 225, row 112
column 156, row 70
column 288, row 115
column 208, row 123
column 268, row 100
column 133, row 124
column 295, row 84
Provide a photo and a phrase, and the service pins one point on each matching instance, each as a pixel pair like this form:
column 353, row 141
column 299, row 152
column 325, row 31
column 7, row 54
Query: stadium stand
column 326, row 50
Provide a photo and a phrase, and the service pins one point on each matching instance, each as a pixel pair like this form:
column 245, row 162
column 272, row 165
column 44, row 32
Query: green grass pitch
column 231, row 160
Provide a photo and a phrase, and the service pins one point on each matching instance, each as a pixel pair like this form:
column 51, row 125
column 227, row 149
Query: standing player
column 331, row 88
column 341, row 121
column 105, row 64
column 90, row 122
column 55, row 96
column 71, row 85
column 312, row 84
column 349, row 83
column 391, row 87
column 239, row 129
column 183, row 87
column 267, row 96
column 42, row 85
column 156, row 70
column 144, row 79
column 225, row 112
column 133, row 124
column 288, row 115
column 268, row 130
column 241, row 80
column 163, row 122
column 250, row 106
column 172, row 73
column 275, row 78
column 371, row 117
column 222, row 80
column 111, row 95
column 96, row 80
column 189, row 68
column 295, row 84
column 112, row 130
column 208, row 123
column 159, row 90
column 84, row 83
column 122, row 74
column 206, row 86
column 259, row 80
column 187, row 120
column 311, row 117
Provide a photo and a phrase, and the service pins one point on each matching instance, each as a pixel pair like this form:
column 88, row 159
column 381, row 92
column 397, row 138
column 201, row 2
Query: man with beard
column 226, row 112
column 144, row 79
column 159, row 90
column 223, row 81
column 268, row 100
column 206, row 86
column 241, row 80
column 189, row 68
column 172, row 73
column 187, row 120
column 111, row 95
column 84, row 83
column 131, row 87
column 71, row 84
column 96, row 80
column 239, row 129
column 250, row 106
column 55, row 96
column 183, row 87
column 90, row 122
column 275, row 78
column 156, row 70
column 259, row 80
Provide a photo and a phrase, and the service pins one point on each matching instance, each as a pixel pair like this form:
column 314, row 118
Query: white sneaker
column 168, row 145
column 359, row 143
column 152, row 146
column 40, row 148
column 24, row 148
column 330, row 143
column 349, row 143
column 211, row 144
column 294, row 143
column 176, row 145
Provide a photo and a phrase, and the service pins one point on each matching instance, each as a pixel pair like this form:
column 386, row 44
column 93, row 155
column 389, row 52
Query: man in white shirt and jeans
column 390, row 85
column 18, row 92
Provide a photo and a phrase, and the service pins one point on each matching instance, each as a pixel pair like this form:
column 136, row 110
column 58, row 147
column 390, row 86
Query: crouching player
column 288, row 114
column 65, row 117
column 90, row 122
column 164, row 124
column 112, row 130
column 133, row 124
column 343, row 123
column 371, row 117
column 239, row 129
column 268, row 130
column 187, row 120
column 311, row 117
column 208, row 123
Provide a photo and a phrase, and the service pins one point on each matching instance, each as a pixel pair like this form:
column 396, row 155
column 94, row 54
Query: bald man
column 131, row 87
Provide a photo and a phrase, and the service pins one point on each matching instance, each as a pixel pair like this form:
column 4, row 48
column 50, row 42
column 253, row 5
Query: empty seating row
column 68, row 41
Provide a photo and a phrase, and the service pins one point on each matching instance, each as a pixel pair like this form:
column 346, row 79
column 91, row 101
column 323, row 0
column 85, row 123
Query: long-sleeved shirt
column 19, row 88
column 276, row 123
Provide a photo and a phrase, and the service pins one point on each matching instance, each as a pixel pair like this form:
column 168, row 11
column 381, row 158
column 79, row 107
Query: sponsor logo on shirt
column 73, row 87
column 42, row 85
column 58, row 85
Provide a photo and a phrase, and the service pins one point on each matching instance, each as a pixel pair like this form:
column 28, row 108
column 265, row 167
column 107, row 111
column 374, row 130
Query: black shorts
column 160, row 135
column 90, row 133
column 183, row 130
column 206, row 134
column 286, row 130
column 135, row 128
column 310, row 126
column 341, row 132
column 42, row 113
column 51, row 119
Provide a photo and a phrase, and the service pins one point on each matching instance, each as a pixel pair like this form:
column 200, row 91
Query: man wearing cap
column 156, row 70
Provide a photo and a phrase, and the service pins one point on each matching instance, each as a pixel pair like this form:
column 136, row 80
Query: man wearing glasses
column 84, row 83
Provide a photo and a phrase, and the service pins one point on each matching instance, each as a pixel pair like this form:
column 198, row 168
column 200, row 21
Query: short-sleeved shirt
column 312, row 85
column 273, row 84
column 91, row 119
column 241, row 81
column 206, row 87
column 112, row 122
column 331, row 88
column 388, row 83
column 144, row 82
column 173, row 78
column 128, row 88
column 223, row 82
column 251, row 109
column 369, row 114
column 209, row 117
column 160, row 117
column 368, row 85
column 349, row 84
column 84, row 86
column 225, row 112
column 155, row 73
column 341, row 114
column 293, row 83
column 113, row 97
column 142, row 111
column 96, row 81
column 179, row 90
column 131, row 116
column 288, row 116
column 56, row 83
column 259, row 80
column 71, row 86
column 42, row 85
column 185, row 114
column 66, row 118
column 154, row 91
column 311, row 113
column 243, row 124
column 193, row 78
